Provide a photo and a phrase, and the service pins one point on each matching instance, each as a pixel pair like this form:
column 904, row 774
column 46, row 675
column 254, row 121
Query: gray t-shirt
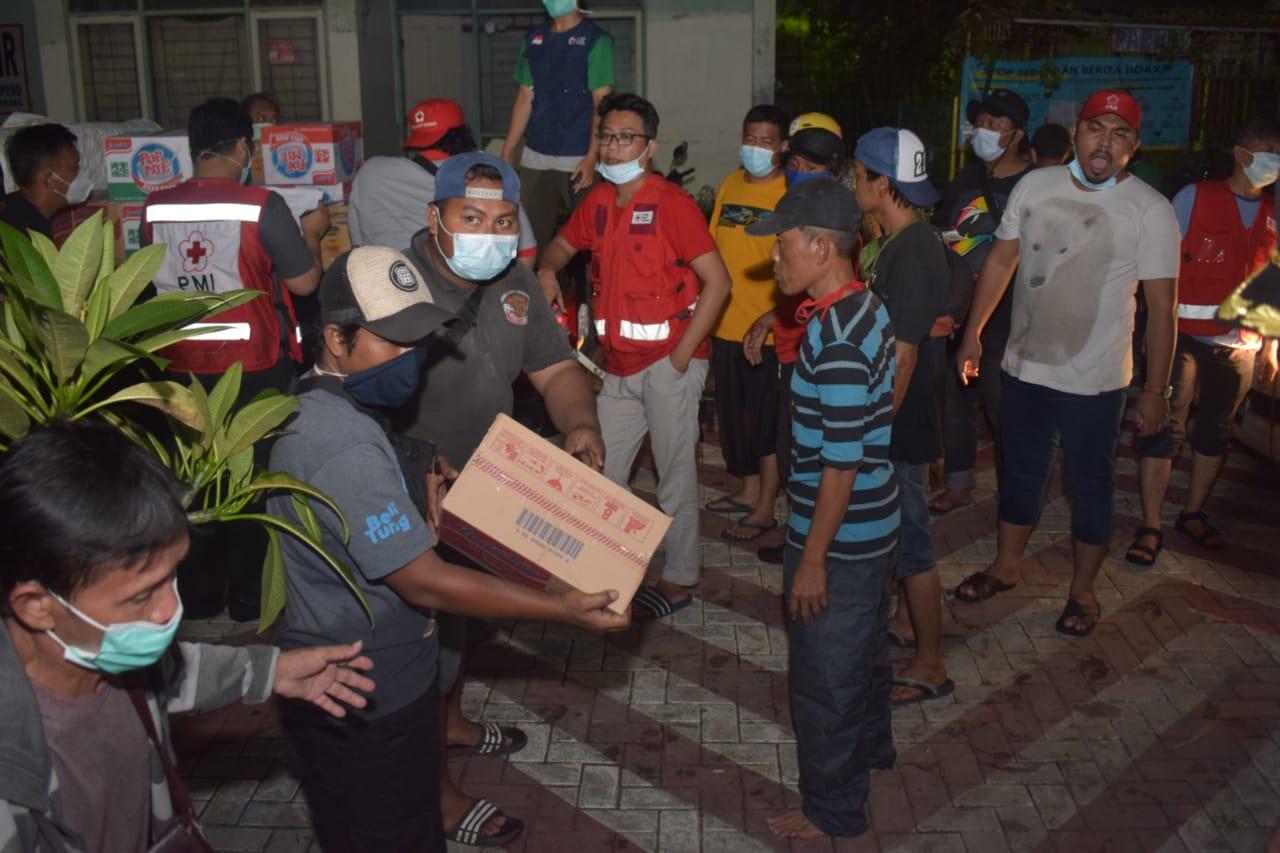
column 389, row 205
column 340, row 450
column 1081, row 256
column 283, row 240
column 102, row 758
column 466, row 388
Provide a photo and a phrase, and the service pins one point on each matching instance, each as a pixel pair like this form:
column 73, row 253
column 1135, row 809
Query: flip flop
column 760, row 530
column 470, row 830
column 896, row 639
column 984, row 586
column 1144, row 555
column 727, row 506
column 1210, row 537
column 1090, row 613
column 928, row 692
column 493, row 741
column 650, row 604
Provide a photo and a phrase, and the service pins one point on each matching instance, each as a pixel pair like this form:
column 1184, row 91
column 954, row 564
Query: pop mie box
column 140, row 165
column 311, row 153
column 526, row 510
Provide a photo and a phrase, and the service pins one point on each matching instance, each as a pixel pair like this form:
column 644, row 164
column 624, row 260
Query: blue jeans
column 840, row 674
column 1033, row 420
column 915, row 545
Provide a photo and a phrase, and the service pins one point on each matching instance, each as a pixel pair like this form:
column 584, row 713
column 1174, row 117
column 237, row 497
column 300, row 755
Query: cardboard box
column 139, row 165
column 338, row 238
column 529, row 512
column 128, row 220
column 311, row 153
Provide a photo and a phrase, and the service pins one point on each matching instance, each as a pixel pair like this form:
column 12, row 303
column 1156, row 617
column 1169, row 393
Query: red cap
column 1116, row 103
column 431, row 119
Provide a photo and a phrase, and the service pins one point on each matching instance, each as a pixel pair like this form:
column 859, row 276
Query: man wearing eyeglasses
column 658, row 285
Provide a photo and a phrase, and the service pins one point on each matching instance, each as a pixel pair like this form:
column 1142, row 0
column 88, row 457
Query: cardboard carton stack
column 136, row 167
column 322, row 156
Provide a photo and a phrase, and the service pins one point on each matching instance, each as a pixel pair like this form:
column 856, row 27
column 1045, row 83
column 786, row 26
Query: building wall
column 706, row 63
column 24, row 12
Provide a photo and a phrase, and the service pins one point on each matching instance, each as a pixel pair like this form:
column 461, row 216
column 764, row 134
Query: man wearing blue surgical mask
column 1228, row 234
column 658, row 285
column 89, row 670
column 466, row 257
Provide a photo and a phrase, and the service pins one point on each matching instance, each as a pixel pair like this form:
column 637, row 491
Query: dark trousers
column 783, row 431
column 374, row 786
column 840, row 683
column 960, row 418
column 746, row 404
column 1033, row 421
column 1215, row 379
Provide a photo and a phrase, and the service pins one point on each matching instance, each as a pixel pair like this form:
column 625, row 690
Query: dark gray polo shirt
column 466, row 388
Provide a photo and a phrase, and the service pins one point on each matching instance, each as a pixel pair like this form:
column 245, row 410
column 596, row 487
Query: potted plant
column 74, row 335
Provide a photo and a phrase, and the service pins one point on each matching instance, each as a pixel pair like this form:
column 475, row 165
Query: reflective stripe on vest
column 220, row 210
column 221, row 331
column 644, row 331
column 1197, row 312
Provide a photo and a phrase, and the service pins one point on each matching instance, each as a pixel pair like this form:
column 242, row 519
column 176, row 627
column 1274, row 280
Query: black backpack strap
column 466, row 318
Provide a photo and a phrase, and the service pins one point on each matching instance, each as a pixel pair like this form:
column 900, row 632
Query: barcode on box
column 545, row 531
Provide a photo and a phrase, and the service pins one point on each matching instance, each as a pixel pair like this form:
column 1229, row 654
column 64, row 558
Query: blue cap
column 451, row 178
column 899, row 155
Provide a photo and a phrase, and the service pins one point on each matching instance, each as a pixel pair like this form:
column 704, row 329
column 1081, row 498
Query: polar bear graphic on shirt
column 1065, row 248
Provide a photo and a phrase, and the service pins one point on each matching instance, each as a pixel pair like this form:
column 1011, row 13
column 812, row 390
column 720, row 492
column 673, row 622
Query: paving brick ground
column 1159, row 732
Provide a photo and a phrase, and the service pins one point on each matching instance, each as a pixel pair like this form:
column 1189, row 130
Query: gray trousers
column 663, row 403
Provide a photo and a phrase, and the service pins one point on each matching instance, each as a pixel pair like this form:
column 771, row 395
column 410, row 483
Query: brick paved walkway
column 1159, row 732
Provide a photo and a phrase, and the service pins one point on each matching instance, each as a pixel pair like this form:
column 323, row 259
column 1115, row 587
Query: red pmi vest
column 1218, row 254
column 642, row 293
column 210, row 228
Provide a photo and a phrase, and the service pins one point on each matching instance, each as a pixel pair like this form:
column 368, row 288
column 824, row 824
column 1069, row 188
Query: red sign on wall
column 280, row 52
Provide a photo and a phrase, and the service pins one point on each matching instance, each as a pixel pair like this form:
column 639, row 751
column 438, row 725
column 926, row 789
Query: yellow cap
column 818, row 120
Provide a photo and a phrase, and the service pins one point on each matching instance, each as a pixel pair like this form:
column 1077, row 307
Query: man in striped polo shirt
column 843, row 529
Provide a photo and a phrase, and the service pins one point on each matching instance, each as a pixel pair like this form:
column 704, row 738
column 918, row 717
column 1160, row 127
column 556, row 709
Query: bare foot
column 673, row 592
column 464, row 732
column 934, row 674
column 950, row 499
column 794, row 824
column 1004, row 577
column 751, row 526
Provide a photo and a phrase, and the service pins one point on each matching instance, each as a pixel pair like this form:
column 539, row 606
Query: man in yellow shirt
column 746, row 393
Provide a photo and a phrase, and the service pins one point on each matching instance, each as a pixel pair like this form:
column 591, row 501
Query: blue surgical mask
column 388, row 385
column 794, row 177
column 1264, row 169
column 125, row 646
column 756, row 160
column 986, row 144
column 245, row 171
column 1078, row 174
column 479, row 257
column 620, row 173
column 560, row 8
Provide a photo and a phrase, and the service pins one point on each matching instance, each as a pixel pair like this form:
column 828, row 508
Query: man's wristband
column 1165, row 393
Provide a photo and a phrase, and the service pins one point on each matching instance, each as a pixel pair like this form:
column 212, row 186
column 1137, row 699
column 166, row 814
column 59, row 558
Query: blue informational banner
column 1163, row 89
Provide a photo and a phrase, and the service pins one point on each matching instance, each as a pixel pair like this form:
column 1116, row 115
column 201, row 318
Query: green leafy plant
column 74, row 335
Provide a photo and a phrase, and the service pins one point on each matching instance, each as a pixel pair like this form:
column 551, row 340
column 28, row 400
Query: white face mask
column 1264, row 169
column 986, row 144
column 77, row 190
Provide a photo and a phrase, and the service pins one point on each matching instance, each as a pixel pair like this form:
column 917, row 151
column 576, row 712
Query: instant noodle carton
column 311, row 153
column 139, row 165
column 527, row 511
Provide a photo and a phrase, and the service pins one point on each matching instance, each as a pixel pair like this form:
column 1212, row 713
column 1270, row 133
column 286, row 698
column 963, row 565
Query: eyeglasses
column 624, row 139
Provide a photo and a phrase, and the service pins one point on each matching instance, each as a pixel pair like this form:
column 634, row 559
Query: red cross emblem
column 195, row 251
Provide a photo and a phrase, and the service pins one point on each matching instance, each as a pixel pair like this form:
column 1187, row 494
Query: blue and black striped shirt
column 842, row 417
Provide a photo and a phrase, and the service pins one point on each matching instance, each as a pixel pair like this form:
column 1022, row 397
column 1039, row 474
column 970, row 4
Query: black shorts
column 372, row 786
column 1216, row 378
column 746, row 405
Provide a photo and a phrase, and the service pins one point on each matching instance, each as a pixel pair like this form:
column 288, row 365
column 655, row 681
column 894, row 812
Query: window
column 290, row 61
column 194, row 59
column 108, row 60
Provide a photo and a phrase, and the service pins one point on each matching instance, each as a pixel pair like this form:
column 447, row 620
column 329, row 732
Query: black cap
column 816, row 145
column 380, row 290
column 1001, row 103
column 820, row 203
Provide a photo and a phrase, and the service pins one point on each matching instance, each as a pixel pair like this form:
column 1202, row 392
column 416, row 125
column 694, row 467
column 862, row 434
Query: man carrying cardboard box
column 373, row 782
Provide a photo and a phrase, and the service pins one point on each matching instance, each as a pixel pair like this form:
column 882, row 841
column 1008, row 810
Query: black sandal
column 1144, row 555
column 470, row 830
column 1086, row 614
column 984, row 586
column 1210, row 537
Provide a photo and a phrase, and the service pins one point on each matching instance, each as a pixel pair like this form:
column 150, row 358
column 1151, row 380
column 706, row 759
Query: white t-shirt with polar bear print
column 1081, row 256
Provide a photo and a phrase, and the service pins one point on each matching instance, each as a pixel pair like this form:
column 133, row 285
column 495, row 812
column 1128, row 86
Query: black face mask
column 388, row 385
